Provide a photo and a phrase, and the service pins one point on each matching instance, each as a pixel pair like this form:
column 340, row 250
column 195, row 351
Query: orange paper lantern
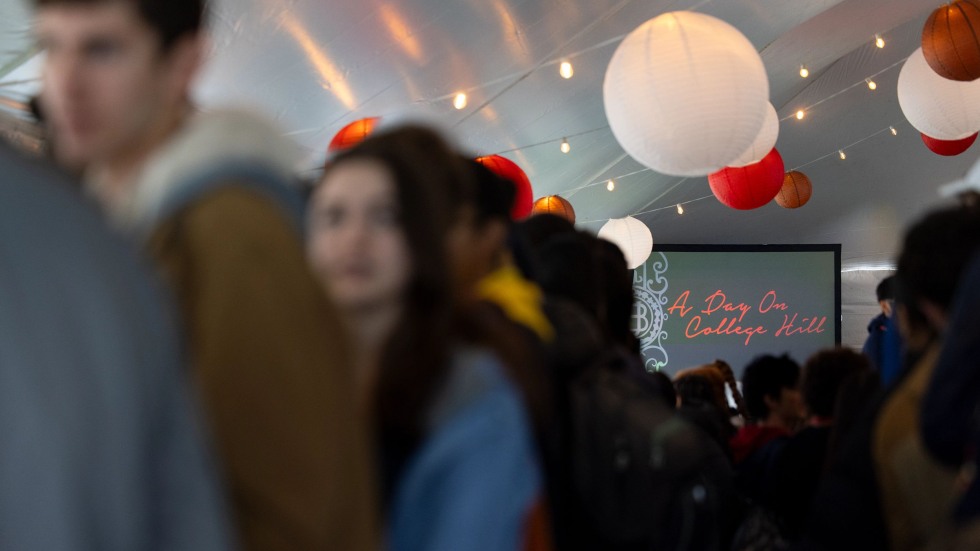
column 353, row 134
column 556, row 205
column 508, row 170
column 796, row 190
column 949, row 40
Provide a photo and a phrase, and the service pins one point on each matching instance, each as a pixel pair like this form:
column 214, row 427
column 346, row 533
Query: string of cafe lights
column 610, row 183
column 565, row 145
column 680, row 206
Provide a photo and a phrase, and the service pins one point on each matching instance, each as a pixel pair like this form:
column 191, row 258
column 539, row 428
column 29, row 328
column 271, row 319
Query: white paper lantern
column 686, row 94
column 764, row 142
column 937, row 107
column 633, row 238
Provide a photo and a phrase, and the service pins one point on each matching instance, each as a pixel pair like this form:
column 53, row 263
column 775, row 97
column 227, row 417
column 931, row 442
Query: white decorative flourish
column 650, row 289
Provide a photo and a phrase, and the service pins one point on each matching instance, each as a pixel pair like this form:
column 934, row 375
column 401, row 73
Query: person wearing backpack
column 636, row 475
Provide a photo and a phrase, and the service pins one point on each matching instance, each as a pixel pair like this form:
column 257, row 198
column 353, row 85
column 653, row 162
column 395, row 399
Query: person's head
column 616, row 282
column 770, row 386
column 702, row 386
column 935, row 252
column 117, row 73
column 540, row 228
column 378, row 222
column 824, row 374
column 358, row 243
column 377, row 225
column 567, row 269
column 478, row 236
column 664, row 388
column 885, row 291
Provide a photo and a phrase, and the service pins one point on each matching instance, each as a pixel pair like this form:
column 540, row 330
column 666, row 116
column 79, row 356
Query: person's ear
column 770, row 402
column 936, row 315
column 185, row 58
column 494, row 235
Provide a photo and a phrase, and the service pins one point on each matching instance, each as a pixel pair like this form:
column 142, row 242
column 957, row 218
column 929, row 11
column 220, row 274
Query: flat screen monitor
column 698, row 303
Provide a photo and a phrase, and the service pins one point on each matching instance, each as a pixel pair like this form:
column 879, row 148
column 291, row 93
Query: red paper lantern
column 948, row 148
column 353, row 134
column 949, row 40
column 508, row 170
column 556, row 205
column 751, row 186
column 796, row 190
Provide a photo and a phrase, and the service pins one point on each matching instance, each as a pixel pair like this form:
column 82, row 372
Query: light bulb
column 459, row 102
column 800, row 114
column 879, row 41
column 565, row 146
column 842, row 154
column 804, row 72
column 610, row 185
column 894, row 132
column 565, row 70
column 871, row 83
column 680, row 209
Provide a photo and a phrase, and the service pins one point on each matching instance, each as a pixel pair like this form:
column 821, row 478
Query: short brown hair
column 171, row 19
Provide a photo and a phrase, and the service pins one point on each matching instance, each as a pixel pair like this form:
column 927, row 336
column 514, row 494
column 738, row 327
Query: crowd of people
column 199, row 353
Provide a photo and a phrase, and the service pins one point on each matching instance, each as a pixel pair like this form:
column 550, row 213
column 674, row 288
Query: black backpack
column 641, row 478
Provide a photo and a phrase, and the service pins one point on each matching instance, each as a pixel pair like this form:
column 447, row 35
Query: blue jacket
column 100, row 448
column 475, row 478
column 884, row 348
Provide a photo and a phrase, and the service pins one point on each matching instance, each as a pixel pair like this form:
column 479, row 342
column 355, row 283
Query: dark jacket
column 951, row 404
column 873, row 346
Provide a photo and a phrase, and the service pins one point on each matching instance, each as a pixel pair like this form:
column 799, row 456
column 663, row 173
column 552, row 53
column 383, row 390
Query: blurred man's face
column 107, row 84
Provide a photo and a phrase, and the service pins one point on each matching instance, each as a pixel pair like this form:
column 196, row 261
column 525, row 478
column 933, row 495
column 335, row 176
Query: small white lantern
column 632, row 237
column 939, row 108
column 764, row 142
column 686, row 94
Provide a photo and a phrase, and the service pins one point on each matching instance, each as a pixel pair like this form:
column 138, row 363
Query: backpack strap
column 250, row 175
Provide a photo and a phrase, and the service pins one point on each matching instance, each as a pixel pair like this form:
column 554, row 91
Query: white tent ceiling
column 316, row 65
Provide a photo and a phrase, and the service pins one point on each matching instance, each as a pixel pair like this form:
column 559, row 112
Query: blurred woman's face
column 356, row 245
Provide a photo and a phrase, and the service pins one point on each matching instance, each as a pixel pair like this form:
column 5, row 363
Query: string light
column 679, row 206
column 879, row 41
column 871, row 83
column 566, row 70
column 804, row 72
column 460, row 101
column 610, row 185
column 565, row 146
column 800, row 114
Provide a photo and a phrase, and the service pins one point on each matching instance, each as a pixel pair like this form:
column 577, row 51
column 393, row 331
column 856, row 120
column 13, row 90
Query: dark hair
column 704, row 385
column 170, row 19
column 416, row 358
column 935, row 253
column 567, row 269
column 886, row 289
column 540, row 228
column 493, row 196
column 616, row 281
column 664, row 388
column 823, row 375
column 767, row 376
